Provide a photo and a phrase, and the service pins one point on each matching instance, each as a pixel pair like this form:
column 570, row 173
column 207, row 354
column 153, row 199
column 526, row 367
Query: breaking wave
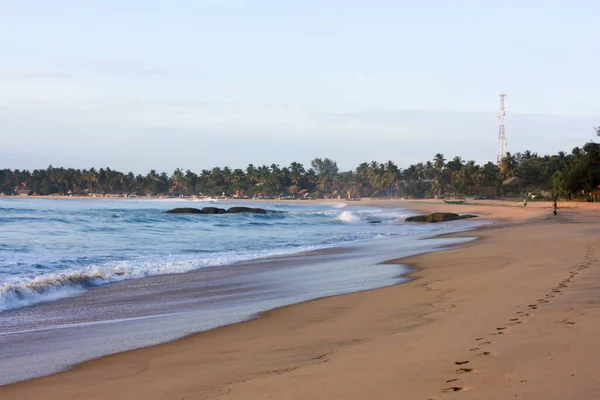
column 347, row 216
column 53, row 286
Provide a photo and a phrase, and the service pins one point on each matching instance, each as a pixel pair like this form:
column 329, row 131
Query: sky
column 146, row 84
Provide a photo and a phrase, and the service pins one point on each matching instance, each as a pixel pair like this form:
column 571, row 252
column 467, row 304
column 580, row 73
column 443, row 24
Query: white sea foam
column 15, row 295
column 206, row 200
column 26, row 291
column 347, row 216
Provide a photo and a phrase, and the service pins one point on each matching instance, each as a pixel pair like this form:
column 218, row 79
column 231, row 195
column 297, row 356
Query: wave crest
column 53, row 286
column 347, row 216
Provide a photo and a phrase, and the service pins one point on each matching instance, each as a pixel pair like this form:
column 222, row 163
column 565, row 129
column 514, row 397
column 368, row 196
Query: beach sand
column 514, row 314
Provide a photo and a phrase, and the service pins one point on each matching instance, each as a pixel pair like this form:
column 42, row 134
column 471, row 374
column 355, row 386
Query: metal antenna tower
column 501, row 132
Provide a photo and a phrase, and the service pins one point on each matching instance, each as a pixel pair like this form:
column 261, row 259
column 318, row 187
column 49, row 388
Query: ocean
column 84, row 278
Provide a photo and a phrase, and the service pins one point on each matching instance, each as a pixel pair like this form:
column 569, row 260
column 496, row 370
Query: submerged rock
column 185, row 211
column 237, row 210
column 213, row 210
column 216, row 210
column 438, row 217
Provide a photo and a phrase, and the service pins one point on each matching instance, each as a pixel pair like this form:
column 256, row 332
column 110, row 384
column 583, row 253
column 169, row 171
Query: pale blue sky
column 135, row 84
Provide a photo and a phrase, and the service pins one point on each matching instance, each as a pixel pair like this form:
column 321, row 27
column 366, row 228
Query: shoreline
column 283, row 314
column 328, row 259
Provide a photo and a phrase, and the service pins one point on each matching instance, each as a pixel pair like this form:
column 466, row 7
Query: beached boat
column 455, row 201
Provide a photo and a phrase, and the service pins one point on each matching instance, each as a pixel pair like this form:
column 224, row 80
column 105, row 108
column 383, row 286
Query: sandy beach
column 512, row 315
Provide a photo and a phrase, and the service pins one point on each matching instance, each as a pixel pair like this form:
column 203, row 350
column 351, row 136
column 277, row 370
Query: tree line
column 570, row 175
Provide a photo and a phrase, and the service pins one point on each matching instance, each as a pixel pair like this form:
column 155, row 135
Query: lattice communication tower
column 501, row 131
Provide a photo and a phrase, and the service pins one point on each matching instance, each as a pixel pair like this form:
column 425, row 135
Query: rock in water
column 216, row 210
column 438, row 217
column 237, row 210
column 213, row 210
column 185, row 211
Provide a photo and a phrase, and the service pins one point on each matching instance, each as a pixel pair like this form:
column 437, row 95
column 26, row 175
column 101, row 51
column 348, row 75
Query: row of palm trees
column 578, row 172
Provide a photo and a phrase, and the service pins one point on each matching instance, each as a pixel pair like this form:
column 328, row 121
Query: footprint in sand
column 463, row 370
column 452, row 389
column 484, row 353
column 460, row 362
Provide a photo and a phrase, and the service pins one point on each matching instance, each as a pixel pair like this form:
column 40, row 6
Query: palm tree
column 251, row 174
column 508, row 166
column 311, row 179
column 296, row 173
column 439, row 162
column 391, row 177
column 427, row 170
column 439, row 166
column 238, row 179
column 180, row 184
column 227, row 176
column 528, row 155
column 456, row 164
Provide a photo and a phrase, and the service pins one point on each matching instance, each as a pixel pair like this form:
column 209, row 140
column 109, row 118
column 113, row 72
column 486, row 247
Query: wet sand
column 512, row 315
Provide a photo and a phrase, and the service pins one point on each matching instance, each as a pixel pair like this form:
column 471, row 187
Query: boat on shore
column 455, row 201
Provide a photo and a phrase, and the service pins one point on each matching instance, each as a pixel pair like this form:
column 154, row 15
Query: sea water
column 85, row 278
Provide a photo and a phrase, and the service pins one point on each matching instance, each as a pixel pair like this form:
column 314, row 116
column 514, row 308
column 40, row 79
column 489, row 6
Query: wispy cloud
column 30, row 73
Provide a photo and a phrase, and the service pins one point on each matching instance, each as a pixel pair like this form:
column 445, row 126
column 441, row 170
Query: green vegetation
column 561, row 175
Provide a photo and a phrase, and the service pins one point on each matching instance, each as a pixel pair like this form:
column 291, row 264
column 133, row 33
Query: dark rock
column 185, row 211
column 438, row 217
column 374, row 222
column 213, row 210
column 237, row 210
